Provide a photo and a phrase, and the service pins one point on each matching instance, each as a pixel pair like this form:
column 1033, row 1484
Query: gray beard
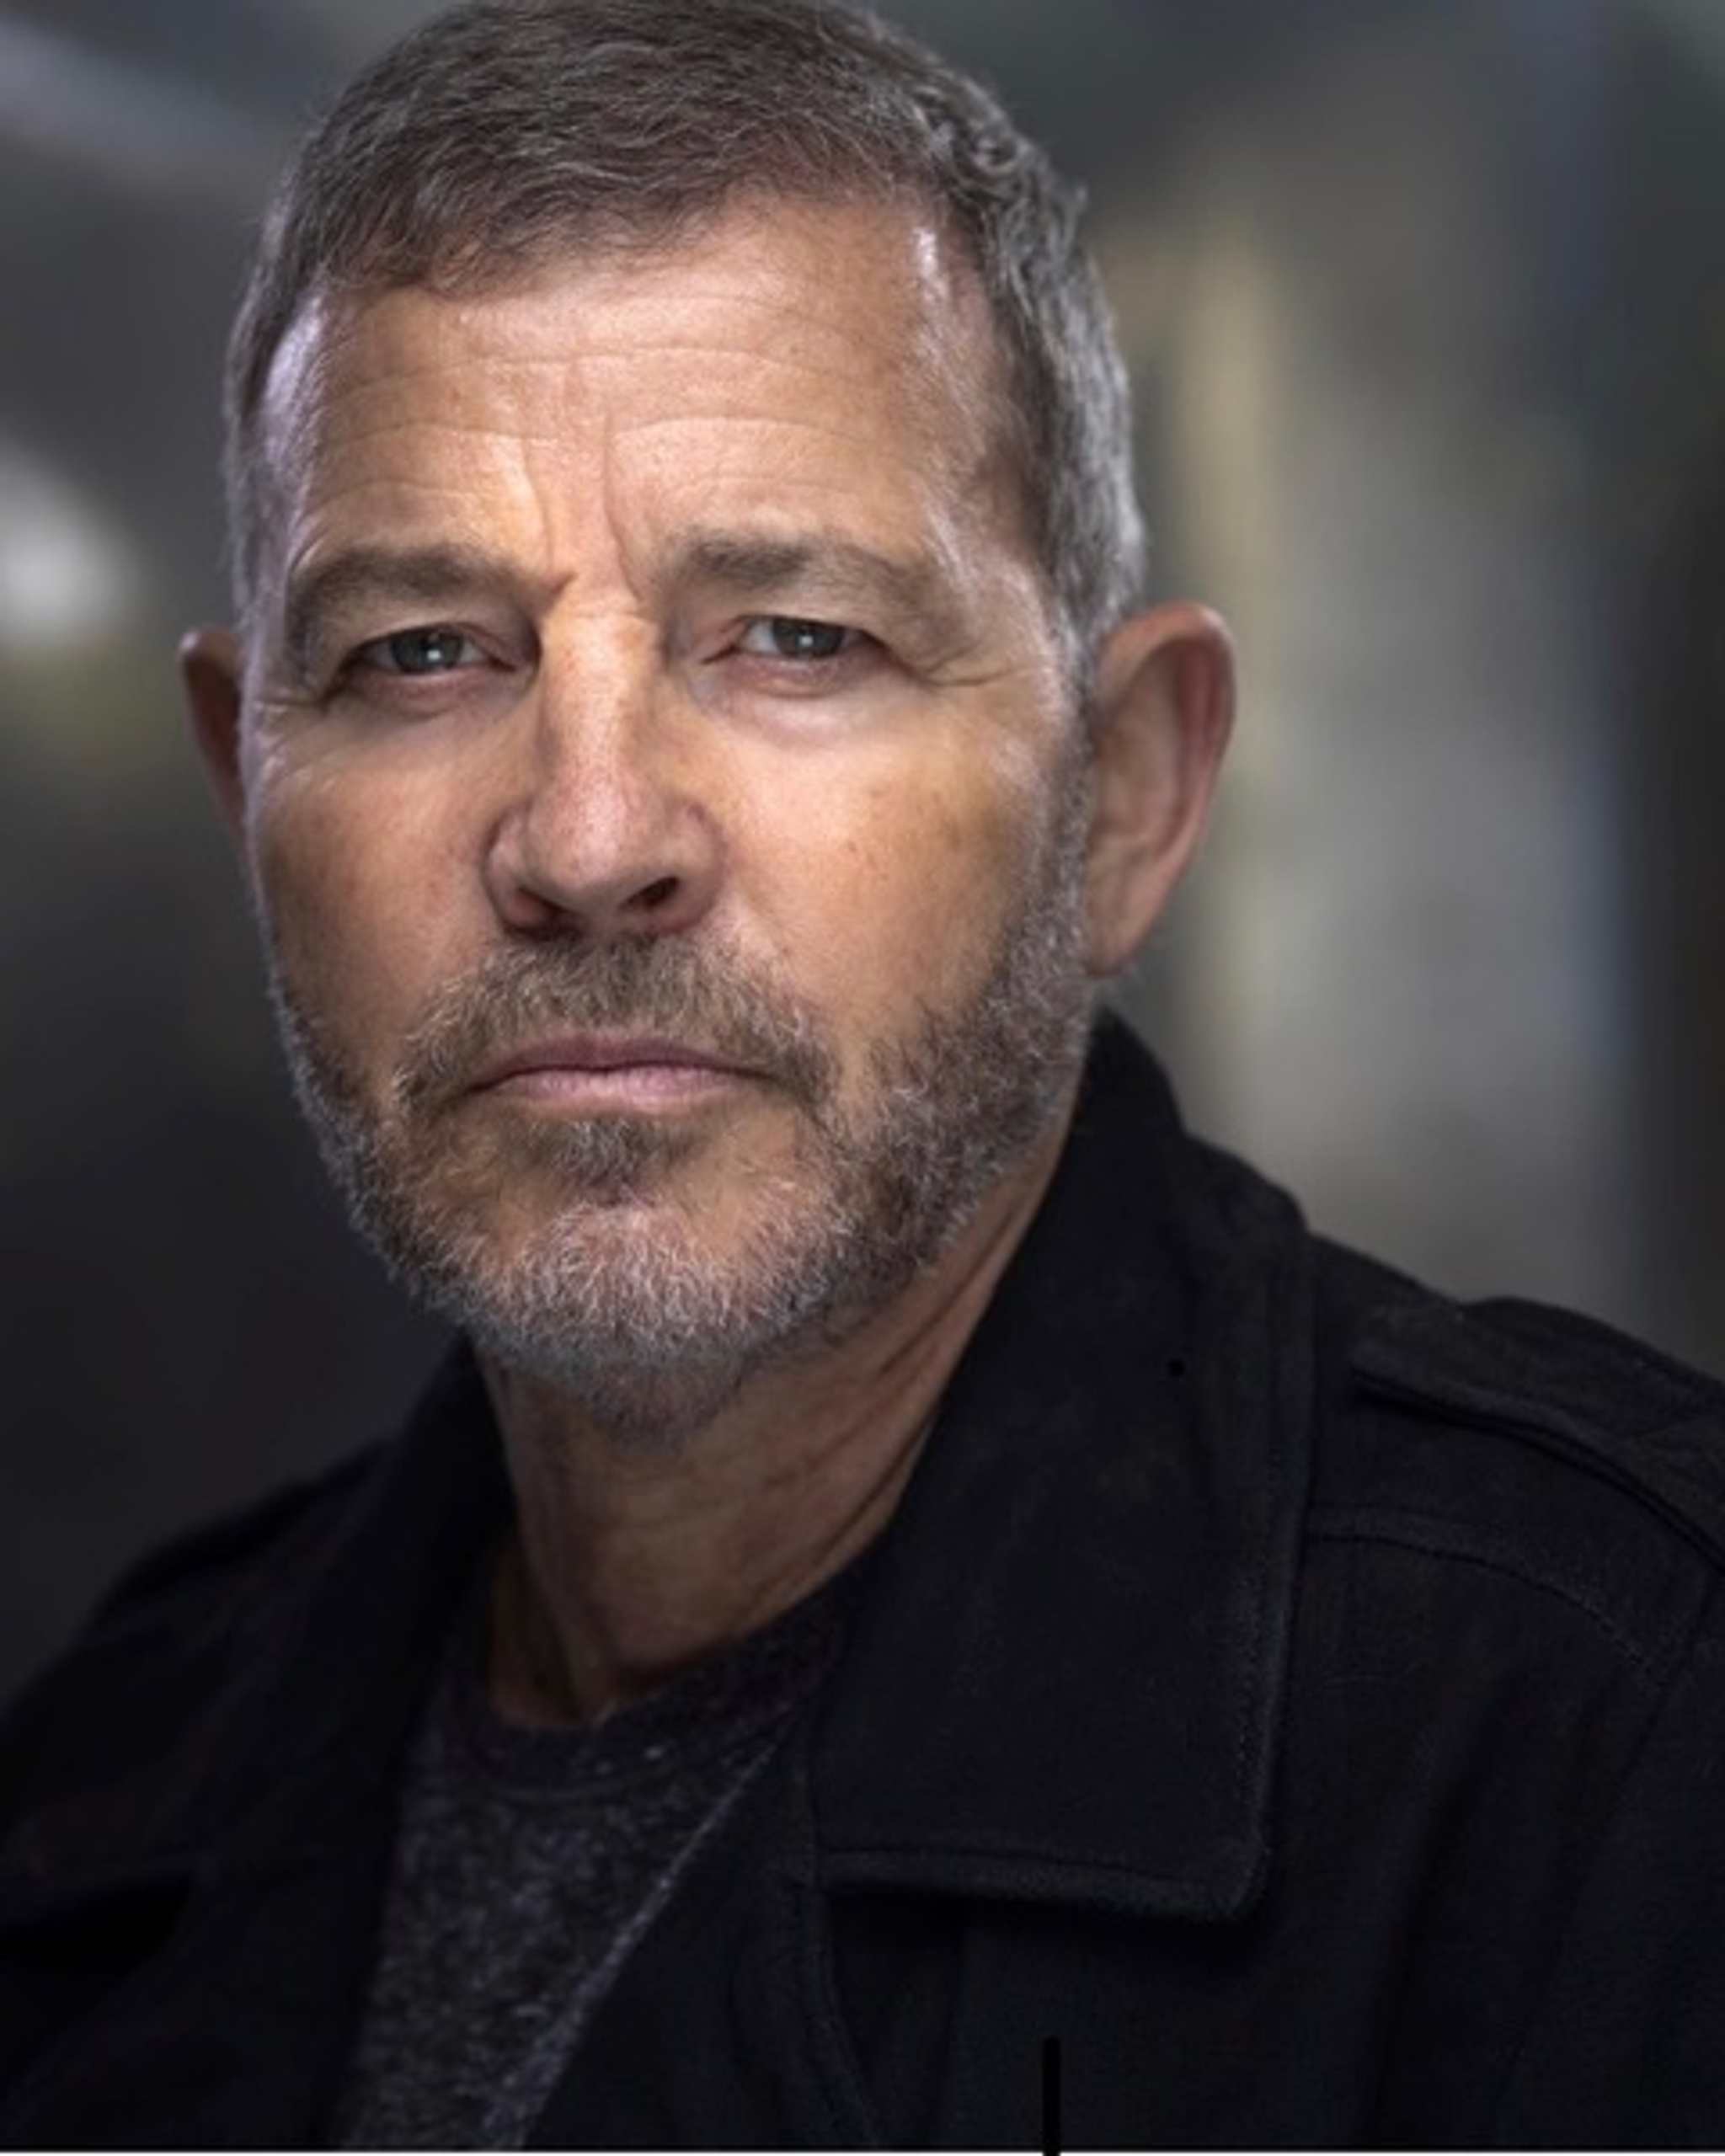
column 648, row 1328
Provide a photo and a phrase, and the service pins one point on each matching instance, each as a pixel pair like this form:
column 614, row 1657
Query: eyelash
column 372, row 653
column 800, row 628
column 798, row 651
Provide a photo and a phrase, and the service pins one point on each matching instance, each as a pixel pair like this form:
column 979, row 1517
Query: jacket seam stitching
column 1254, row 1705
column 1434, row 1543
column 1631, row 1765
column 840, row 2084
column 1517, row 1410
column 1016, row 1851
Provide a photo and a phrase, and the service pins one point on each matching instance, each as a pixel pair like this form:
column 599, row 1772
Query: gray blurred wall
column 1427, row 304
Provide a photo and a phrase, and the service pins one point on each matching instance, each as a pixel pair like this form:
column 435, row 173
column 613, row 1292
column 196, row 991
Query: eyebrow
column 915, row 589
column 423, row 574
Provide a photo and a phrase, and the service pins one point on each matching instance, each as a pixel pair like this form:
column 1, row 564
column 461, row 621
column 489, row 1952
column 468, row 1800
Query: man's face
column 661, row 790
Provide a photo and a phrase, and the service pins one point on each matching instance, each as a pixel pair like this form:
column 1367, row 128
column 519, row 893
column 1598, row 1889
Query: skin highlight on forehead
column 947, row 371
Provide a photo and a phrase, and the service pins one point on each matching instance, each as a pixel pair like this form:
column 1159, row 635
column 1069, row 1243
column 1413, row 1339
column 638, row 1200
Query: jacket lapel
column 1063, row 1686
column 1065, row 1682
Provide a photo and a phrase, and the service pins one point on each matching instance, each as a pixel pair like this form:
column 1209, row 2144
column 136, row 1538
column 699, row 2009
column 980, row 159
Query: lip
column 633, row 1067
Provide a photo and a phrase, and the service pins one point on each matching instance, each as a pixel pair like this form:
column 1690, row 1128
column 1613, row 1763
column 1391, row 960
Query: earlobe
column 212, row 669
column 1165, row 705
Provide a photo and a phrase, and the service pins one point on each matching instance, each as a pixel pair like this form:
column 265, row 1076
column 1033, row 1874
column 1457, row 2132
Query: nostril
column 654, row 895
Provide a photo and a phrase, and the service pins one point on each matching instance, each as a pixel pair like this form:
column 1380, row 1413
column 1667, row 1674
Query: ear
column 211, row 666
column 1164, row 707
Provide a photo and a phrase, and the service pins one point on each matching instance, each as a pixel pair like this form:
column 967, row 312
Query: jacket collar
column 1065, row 1679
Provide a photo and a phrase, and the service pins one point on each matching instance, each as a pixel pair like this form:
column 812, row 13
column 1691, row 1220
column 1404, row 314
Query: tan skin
column 599, row 492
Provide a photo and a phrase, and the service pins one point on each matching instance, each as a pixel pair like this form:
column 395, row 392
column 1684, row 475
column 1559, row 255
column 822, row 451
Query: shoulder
column 1553, row 1460
column 202, row 1592
column 242, row 1678
column 199, row 1583
column 219, row 1646
column 172, row 1633
column 210, row 1558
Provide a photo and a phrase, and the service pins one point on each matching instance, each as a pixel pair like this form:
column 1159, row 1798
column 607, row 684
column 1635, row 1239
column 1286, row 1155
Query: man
column 926, row 1590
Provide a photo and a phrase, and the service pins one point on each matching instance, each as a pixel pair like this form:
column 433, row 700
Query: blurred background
column 1426, row 301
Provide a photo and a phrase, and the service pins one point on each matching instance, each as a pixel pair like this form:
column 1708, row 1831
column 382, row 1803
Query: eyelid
column 367, row 652
column 363, row 670
column 850, row 639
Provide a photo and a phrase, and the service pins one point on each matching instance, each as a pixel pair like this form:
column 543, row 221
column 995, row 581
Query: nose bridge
column 595, row 753
column 608, row 829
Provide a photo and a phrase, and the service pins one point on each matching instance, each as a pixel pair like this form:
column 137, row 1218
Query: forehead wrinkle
column 947, row 356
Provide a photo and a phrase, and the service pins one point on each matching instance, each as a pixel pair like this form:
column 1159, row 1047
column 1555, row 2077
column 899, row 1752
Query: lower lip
column 642, row 1087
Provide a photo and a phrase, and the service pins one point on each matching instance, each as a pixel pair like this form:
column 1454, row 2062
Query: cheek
column 906, row 885
column 345, row 882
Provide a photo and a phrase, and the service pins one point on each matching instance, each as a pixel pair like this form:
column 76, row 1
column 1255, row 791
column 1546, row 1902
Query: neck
column 629, row 1562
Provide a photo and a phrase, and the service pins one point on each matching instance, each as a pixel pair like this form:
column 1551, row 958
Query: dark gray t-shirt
column 529, row 1862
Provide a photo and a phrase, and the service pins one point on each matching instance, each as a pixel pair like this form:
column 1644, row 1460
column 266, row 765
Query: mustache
column 701, row 996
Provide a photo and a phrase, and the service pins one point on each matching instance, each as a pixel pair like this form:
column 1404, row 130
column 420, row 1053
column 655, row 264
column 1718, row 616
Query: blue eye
column 787, row 636
column 421, row 651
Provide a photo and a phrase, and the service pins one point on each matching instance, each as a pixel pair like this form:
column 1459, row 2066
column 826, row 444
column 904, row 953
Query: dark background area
column 1426, row 300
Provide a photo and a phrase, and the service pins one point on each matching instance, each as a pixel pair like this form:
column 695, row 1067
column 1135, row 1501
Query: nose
column 610, row 829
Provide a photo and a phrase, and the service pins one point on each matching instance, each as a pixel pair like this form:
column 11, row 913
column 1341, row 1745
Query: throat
column 575, row 1638
column 644, row 1543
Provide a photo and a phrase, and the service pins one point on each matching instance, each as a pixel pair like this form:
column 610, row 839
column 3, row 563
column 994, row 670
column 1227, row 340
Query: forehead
column 826, row 336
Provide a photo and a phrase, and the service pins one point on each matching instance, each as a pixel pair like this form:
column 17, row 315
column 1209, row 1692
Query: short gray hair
column 506, row 132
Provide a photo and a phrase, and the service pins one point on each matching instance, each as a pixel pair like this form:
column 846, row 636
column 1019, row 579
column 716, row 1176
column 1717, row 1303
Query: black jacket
column 1302, row 1696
